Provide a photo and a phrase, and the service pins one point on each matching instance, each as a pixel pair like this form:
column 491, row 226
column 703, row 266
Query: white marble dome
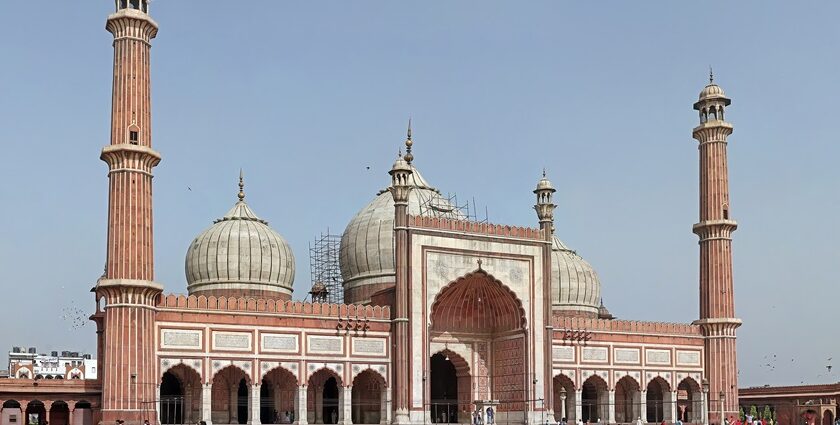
column 240, row 255
column 367, row 245
column 575, row 287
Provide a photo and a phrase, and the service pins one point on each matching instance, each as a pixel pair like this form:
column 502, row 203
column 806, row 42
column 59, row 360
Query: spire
column 711, row 75
column 408, row 156
column 241, row 194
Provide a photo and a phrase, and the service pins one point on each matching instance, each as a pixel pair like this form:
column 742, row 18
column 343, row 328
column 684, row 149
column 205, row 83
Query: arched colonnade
column 56, row 412
column 231, row 396
column 628, row 400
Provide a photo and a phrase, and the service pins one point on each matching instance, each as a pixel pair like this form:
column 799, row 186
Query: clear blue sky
column 305, row 95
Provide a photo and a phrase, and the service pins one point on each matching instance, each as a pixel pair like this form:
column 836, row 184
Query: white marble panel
column 563, row 353
column 322, row 344
column 658, row 357
column 279, row 343
column 688, row 358
column 180, row 338
column 236, row 341
column 627, row 355
column 368, row 346
column 594, row 354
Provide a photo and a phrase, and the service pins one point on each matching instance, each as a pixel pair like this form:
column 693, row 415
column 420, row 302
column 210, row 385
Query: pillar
column 70, row 409
column 611, row 406
column 47, row 408
column 254, row 402
column 578, row 404
column 345, row 405
column 319, row 405
column 207, row 403
column 675, row 412
column 385, row 414
column 234, row 404
column 643, row 405
column 300, row 406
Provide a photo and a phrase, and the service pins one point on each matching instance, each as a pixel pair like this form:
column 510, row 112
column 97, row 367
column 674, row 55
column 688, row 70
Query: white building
column 26, row 363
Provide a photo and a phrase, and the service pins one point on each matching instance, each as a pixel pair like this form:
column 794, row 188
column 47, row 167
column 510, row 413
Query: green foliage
column 754, row 411
column 741, row 414
column 767, row 414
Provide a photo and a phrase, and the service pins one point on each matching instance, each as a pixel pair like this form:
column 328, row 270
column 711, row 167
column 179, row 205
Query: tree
column 767, row 414
column 741, row 414
column 754, row 412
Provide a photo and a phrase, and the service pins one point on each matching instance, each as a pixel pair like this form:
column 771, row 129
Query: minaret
column 128, row 287
column 401, row 361
column 717, row 302
column 545, row 213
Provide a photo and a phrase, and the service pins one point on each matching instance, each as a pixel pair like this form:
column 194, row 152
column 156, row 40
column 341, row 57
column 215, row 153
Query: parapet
column 590, row 324
column 438, row 223
column 272, row 306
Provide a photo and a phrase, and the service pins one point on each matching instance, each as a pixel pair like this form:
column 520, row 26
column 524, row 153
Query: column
column 345, row 406
column 157, row 404
column 71, row 407
column 207, row 403
column 300, row 406
column 385, row 412
column 254, row 401
column 234, row 404
column 643, row 405
column 319, row 405
column 611, row 406
column 578, row 405
column 47, row 407
column 675, row 413
column 187, row 409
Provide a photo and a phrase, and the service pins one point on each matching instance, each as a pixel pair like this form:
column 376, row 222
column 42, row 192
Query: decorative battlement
column 261, row 305
column 588, row 325
column 437, row 223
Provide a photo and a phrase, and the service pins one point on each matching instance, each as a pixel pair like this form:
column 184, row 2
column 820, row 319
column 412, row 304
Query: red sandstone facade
column 465, row 327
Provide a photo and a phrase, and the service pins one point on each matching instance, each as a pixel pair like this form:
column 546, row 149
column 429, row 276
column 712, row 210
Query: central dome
column 367, row 245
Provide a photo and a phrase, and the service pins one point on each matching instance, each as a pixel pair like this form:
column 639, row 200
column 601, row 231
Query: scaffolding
column 327, row 285
column 439, row 206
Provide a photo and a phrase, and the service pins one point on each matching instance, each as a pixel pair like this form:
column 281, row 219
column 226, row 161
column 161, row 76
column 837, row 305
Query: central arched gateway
column 477, row 348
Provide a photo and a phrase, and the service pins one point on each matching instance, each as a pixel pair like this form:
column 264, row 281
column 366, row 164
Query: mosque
column 444, row 320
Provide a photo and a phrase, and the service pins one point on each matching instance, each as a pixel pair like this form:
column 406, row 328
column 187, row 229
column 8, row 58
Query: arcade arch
column 628, row 397
column 324, row 397
column 368, row 398
column 658, row 400
column 689, row 401
column 450, row 387
column 229, row 400
column 594, row 399
column 277, row 396
column 564, row 386
column 180, row 395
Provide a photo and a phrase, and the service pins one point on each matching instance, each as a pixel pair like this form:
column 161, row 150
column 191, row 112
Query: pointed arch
column 594, row 399
column 477, row 302
column 627, row 399
column 565, row 398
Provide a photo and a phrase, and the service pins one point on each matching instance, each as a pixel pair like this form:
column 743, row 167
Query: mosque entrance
column 478, row 318
column 443, row 389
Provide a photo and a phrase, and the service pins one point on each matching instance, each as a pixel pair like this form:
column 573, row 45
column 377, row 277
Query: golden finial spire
column 408, row 156
column 241, row 186
column 543, row 172
column 711, row 75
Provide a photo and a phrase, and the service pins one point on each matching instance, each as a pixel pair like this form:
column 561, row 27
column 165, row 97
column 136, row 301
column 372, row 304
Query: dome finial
column 408, row 156
column 241, row 194
column 711, row 75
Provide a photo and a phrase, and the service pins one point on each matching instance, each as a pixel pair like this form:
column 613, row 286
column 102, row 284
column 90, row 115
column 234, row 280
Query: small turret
column 141, row 5
column 545, row 205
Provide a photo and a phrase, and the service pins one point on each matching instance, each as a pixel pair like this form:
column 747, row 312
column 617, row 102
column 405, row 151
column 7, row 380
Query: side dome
column 367, row 245
column 240, row 256
column 575, row 288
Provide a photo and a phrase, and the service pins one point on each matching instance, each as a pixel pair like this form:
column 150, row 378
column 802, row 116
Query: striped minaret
column 128, row 288
column 717, row 301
